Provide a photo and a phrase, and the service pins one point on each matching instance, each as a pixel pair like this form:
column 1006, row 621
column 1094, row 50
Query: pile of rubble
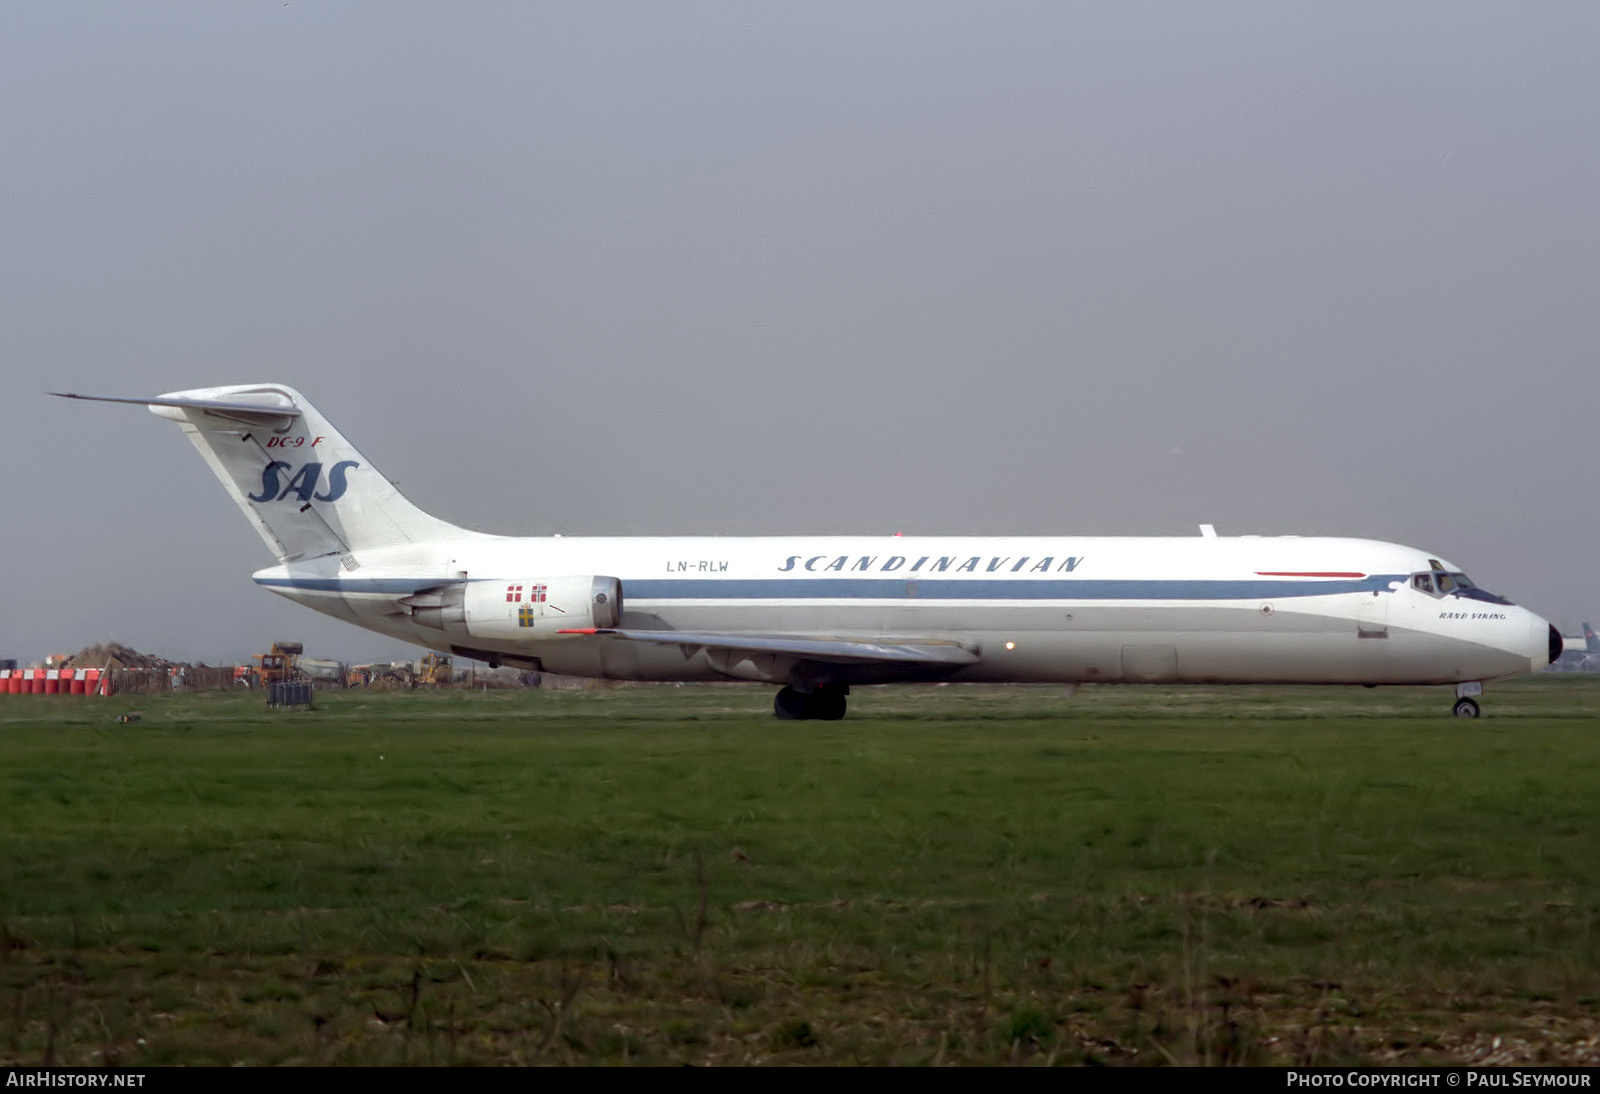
column 114, row 655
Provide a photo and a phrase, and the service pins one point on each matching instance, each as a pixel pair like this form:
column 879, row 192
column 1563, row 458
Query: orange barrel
column 5, row 681
column 91, row 681
column 15, row 682
column 52, row 681
column 36, row 681
column 76, row 676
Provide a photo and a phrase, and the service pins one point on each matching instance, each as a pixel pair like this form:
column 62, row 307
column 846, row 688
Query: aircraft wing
column 842, row 650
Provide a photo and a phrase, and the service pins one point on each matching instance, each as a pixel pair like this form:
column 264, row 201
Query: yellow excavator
column 434, row 671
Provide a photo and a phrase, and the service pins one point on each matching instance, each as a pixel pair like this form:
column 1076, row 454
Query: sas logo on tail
column 279, row 480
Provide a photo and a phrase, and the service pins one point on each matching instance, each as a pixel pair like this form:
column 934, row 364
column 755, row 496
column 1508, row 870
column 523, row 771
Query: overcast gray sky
column 811, row 267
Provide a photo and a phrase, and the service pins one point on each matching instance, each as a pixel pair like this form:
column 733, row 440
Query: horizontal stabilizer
column 924, row 652
column 271, row 410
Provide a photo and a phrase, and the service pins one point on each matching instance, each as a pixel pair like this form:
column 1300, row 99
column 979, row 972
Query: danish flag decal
column 537, row 594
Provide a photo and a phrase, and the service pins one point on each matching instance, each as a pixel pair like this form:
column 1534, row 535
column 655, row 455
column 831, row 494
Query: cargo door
column 1372, row 616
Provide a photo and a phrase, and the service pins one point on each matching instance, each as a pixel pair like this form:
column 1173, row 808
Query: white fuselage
column 1055, row 609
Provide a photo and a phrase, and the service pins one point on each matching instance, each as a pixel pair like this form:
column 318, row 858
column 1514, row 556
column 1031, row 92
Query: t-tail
column 1591, row 641
column 306, row 489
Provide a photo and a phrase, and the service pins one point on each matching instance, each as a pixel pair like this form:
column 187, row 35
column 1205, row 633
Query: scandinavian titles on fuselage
column 932, row 564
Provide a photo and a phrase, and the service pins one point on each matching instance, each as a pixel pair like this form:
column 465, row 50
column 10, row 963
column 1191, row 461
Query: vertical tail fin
column 1591, row 640
column 306, row 489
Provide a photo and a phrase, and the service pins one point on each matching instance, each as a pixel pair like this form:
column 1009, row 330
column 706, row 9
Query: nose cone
column 1533, row 642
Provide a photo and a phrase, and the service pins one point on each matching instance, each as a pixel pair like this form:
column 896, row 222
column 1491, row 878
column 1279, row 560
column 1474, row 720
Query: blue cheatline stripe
column 839, row 588
column 982, row 589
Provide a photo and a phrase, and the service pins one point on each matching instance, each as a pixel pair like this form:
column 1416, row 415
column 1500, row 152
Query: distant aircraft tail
column 306, row 489
column 1591, row 640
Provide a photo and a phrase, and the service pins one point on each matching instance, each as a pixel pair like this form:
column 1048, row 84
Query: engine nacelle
column 538, row 607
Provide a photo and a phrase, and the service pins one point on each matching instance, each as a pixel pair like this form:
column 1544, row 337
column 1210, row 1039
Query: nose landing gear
column 1466, row 706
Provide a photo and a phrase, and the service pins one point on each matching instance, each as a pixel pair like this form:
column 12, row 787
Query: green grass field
column 957, row 875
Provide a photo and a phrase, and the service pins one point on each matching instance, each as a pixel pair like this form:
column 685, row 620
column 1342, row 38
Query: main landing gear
column 824, row 703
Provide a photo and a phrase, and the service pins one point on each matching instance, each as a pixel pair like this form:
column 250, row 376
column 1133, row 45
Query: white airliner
column 817, row 615
column 1581, row 653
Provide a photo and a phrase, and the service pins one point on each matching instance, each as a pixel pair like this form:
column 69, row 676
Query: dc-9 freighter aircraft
column 816, row 615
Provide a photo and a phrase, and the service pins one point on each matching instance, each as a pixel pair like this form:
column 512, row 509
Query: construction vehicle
column 277, row 667
column 434, row 671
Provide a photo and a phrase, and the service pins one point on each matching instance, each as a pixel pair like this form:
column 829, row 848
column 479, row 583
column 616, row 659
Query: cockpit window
column 1441, row 582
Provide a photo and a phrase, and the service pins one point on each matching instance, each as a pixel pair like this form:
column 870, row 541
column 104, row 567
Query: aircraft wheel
column 1466, row 708
column 791, row 706
column 828, row 704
